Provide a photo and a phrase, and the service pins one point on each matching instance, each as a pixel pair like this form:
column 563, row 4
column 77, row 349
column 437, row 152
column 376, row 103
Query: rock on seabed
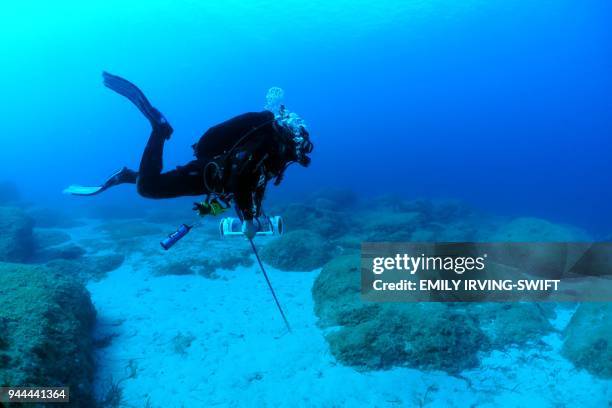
column 45, row 331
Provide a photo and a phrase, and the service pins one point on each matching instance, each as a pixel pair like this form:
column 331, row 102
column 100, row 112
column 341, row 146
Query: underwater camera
column 232, row 226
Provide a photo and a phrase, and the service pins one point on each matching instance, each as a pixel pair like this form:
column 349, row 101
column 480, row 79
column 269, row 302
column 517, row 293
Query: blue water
column 504, row 104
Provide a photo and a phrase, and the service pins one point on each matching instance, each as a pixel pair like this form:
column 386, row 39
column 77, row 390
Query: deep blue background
column 504, row 104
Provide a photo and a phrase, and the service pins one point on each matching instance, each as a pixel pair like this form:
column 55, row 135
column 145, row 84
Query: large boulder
column 336, row 294
column 381, row 336
column 16, row 240
column 299, row 250
column 588, row 339
column 45, row 336
column 426, row 335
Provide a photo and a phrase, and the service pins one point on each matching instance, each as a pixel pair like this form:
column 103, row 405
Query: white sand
column 241, row 354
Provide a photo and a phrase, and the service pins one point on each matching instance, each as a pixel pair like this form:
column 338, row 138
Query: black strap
column 247, row 134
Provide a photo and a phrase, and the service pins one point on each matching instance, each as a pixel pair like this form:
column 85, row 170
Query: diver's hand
column 201, row 208
column 248, row 229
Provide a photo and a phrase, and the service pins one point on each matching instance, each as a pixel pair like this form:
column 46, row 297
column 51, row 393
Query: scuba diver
column 234, row 160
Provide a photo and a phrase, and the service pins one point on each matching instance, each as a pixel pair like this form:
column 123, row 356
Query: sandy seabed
column 191, row 341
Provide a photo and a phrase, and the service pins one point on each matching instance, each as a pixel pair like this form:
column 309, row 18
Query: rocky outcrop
column 382, row 336
column 427, row 335
column 588, row 339
column 336, row 294
column 16, row 240
column 45, row 339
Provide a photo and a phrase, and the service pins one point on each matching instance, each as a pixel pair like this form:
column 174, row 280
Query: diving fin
column 83, row 190
column 122, row 176
column 130, row 91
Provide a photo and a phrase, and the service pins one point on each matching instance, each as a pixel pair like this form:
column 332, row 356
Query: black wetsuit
column 250, row 162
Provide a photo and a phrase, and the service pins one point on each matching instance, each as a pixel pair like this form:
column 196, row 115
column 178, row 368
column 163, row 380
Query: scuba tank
column 232, row 226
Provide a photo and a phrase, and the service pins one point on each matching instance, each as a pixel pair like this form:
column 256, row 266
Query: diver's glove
column 201, row 208
column 214, row 208
column 249, row 229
